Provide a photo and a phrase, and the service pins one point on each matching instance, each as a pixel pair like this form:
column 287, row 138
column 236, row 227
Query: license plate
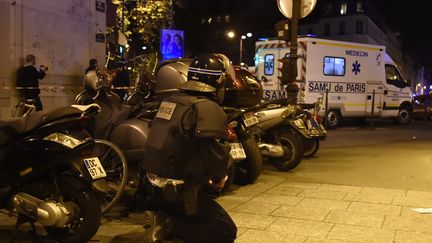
column 237, row 151
column 250, row 119
column 95, row 168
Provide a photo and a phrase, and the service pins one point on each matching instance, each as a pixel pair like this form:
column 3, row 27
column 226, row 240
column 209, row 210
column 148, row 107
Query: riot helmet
column 206, row 74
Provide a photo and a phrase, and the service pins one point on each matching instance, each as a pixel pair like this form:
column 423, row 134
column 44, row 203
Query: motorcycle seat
column 11, row 128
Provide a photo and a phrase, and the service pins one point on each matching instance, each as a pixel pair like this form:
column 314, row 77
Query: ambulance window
column 393, row 76
column 269, row 64
column 334, row 66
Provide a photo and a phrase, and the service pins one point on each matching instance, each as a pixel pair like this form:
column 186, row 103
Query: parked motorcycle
column 120, row 124
column 282, row 131
column 47, row 172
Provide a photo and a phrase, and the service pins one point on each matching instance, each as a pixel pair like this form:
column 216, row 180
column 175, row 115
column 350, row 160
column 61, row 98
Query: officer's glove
column 218, row 185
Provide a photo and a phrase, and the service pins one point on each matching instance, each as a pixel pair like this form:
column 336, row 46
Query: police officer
column 185, row 153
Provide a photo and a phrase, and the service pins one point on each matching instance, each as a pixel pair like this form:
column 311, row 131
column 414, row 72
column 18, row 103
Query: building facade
column 62, row 34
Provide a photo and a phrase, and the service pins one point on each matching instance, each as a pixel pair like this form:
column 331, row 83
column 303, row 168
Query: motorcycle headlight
column 64, row 139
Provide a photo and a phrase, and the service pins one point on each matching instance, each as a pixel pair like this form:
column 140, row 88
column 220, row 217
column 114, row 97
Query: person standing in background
column 93, row 64
column 28, row 81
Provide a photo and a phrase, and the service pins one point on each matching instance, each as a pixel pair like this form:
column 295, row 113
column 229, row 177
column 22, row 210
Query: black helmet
column 206, row 74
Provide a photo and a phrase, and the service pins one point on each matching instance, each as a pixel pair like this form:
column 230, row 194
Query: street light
column 243, row 37
column 231, row 34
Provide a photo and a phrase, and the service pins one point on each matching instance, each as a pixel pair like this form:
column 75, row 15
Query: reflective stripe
column 205, row 71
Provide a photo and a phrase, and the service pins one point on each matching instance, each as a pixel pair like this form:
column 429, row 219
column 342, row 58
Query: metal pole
column 241, row 50
column 373, row 108
column 292, row 88
column 326, row 109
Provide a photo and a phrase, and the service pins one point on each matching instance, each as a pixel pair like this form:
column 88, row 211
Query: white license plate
column 250, row 119
column 237, row 151
column 95, row 168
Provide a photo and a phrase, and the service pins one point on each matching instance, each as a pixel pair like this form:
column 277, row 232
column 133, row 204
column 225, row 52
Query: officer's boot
column 159, row 227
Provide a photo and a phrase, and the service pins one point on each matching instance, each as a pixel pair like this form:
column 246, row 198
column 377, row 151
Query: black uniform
column 185, row 144
column 28, row 80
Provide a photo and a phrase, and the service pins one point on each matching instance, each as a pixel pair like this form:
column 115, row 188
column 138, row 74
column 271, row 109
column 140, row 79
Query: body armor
column 184, row 130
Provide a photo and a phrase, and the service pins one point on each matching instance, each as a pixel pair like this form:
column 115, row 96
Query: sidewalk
column 275, row 209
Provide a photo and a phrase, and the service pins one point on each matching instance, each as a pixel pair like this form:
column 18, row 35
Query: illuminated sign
column 172, row 44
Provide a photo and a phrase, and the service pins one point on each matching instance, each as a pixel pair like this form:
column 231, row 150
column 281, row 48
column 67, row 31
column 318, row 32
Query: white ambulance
column 353, row 75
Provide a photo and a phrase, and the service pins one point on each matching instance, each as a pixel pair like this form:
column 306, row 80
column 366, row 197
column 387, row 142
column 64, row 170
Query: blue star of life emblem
column 356, row 67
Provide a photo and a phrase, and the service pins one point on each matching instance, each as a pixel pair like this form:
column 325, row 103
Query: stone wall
column 61, row 34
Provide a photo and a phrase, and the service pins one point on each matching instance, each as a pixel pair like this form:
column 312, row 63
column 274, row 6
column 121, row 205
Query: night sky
column 412, row 19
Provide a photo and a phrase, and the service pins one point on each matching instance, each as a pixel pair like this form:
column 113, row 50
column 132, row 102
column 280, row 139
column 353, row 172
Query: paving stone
column 339, row 188
column 321, row 193
column 369, row 197
column 316, row 214
column 301, row 185
column 300, row 227
column 412, row 237
column 419, row 194
column 324, row 240
column 409, row 212
column 253, row 189
column 269, row 237
column 420, row 223
column 392, row 192
column 354, row 218
column 411, row 201
column 119, row 228
column 360, row 234
column 277, row 199
column 285, row 191
column 229, row 203
column 252, row 221
column 241, row 231
column 329, row 204
column 374, row 208
column 270, row 179
column 256, row 208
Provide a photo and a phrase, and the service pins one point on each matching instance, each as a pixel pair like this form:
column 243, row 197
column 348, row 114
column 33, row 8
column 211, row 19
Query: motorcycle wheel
column 293, row 152
column 87, row 216
column 115, row 164
column 248, row 170
column 311, row 147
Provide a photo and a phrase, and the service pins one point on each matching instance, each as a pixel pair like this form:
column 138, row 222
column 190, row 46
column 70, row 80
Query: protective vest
column 175, row 139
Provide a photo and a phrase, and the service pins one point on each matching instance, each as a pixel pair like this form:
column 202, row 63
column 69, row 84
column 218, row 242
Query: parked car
column 422, row 105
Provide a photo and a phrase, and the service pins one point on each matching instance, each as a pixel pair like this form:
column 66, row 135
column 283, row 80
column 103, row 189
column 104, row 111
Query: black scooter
column 47, row 171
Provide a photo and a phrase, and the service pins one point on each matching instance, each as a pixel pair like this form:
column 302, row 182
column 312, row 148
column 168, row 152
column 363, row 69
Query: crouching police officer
column 185, row 151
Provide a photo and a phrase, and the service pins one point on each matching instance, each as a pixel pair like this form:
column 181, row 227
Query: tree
column 145, row 17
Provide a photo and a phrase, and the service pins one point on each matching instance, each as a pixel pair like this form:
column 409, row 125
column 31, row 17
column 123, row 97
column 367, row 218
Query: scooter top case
column 242, row 90
column 131, row 137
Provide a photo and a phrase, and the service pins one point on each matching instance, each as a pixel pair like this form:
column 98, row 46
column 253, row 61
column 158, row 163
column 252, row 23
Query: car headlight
column 64, row 139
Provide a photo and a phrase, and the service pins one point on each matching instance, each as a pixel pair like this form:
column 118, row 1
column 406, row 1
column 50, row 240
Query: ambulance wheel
column 311, row 147
column 333, row 119
column 249, row 169
column 404, row 115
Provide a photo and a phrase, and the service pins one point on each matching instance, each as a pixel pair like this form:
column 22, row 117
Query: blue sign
column 172, row 44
